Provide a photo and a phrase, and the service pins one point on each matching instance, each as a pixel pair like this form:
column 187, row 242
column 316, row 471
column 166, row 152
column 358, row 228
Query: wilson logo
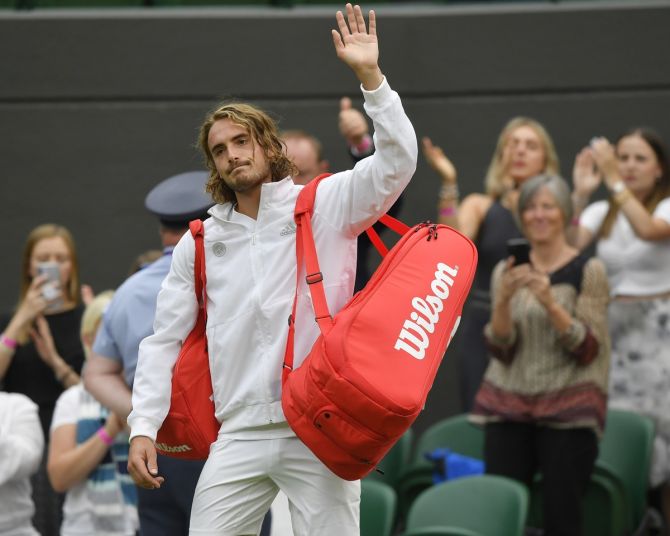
column 414, row 336
column 170, row 448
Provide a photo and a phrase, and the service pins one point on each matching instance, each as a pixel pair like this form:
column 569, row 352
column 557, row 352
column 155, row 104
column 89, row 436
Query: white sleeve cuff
column 140, row 426
column 377, row 96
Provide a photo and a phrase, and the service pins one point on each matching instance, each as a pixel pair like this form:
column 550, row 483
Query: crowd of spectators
column 544, row 327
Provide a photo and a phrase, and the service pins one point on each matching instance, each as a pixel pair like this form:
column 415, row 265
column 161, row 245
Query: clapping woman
column 632, row 234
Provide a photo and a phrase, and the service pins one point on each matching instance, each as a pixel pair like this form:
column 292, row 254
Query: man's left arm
column 354, row 199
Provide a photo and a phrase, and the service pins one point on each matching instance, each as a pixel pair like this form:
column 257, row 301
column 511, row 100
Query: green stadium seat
column 455, row 433
column 625, row 455
column 485, row 505
column 378, row 508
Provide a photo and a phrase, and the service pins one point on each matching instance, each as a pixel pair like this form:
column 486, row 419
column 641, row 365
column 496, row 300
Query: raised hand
column 585, row 176
column 358, row 47
column 33, row 303
column 513, row 278
column 87, row 294
column 438, row 161
column 605, row 158
column 352, row 123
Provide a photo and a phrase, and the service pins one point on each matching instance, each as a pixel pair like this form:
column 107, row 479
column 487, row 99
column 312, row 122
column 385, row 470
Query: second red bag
column 190, row 426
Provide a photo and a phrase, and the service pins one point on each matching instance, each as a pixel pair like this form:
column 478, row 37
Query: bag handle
column 305, row 203
column 306, row 252
column 391, row 223
column 199, row 274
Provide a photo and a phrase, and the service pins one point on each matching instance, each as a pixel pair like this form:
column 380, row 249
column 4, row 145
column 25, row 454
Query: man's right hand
column 142, row 464
column 358, row 47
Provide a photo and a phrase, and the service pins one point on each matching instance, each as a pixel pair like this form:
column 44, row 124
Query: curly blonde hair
column 263, row 131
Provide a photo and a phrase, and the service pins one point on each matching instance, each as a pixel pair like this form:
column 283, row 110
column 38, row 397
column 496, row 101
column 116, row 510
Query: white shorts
column 242, row 477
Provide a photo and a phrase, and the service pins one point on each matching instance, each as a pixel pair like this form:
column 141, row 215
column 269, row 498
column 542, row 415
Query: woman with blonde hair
column 88, row 454
column 524, row 149
column 40, row 350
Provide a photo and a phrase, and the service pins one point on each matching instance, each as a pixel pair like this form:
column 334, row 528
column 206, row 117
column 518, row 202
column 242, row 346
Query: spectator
column 128, row 319
column 355, row 131
column 544, row 395
column 21, row 445
column 307, row 154
column 88, row 455
column 524, row 149
column 40, row 350
column 250, row 288
column 632, row 234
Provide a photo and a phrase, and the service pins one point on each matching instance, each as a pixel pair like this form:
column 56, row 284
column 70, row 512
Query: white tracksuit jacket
column 251, row 279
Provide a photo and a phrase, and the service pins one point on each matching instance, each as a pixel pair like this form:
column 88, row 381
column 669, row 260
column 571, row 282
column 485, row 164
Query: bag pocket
column 353, row 438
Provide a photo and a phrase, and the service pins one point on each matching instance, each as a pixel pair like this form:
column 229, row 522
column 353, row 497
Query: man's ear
column 323, row 166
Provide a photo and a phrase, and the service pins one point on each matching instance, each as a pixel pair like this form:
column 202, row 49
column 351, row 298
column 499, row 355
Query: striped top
column 105, row 504
column 538, row 375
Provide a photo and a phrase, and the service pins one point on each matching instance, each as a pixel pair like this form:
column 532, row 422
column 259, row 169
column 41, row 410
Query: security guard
column 129, row 319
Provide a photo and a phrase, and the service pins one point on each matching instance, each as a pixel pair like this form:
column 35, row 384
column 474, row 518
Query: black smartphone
column 519, row 248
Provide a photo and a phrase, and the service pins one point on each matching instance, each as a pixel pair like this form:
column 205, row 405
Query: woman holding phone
column 544, row 396
column 40, row 350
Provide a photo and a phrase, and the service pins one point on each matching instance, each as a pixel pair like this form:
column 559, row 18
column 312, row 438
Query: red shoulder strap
column 306, row 252
column 199, row 274
column 306, row 197
column 305, row 204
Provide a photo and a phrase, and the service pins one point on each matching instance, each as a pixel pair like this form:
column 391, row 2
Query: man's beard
column 246, row 179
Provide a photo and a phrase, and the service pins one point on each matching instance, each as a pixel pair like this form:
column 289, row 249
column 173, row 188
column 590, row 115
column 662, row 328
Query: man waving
column 251, row 274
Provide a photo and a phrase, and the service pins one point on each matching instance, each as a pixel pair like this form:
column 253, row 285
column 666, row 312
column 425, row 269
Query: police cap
column 180, row 198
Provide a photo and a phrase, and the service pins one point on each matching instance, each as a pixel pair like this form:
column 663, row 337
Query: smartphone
column 519, row 248
column 51, row 290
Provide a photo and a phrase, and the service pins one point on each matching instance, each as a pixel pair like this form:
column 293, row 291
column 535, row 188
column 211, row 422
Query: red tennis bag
column 190, row 426
column 368, row 374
